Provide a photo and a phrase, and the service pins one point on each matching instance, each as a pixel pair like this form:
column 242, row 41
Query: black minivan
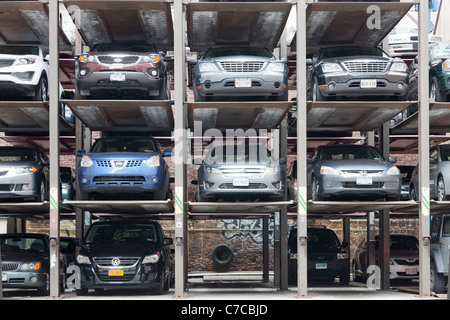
column 327, row 257
column 125, row 254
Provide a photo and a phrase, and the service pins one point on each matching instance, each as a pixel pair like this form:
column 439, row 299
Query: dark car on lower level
column 25, row 261
column 327, row 256
column 125, row 254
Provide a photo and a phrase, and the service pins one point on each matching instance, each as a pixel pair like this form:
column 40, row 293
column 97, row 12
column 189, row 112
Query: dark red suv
column 122, row 70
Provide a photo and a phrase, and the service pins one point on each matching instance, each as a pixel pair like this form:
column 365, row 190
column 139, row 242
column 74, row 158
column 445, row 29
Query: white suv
column 23, row 72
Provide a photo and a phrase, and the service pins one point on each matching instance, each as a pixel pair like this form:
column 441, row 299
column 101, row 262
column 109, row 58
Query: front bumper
column 20, row 185
column 25, row 280
column 323, row 269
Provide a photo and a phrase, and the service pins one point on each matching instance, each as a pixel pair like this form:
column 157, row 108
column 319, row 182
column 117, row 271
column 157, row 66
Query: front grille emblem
column 118, row 60
column 115, row 262
column 119, row 164
column 363, row 173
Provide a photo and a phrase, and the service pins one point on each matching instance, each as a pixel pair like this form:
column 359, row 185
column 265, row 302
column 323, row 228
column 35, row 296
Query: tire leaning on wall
column 222, row 256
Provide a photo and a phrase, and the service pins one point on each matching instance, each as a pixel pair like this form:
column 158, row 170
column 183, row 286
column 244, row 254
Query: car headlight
column 86, row 161
column 331, row 67
column 86, row 58
column 328, row 170
column 151, row 58
column 277, row 67
column 30, row 266
column 207, row 67
column 82, row 259
column 23, row 61
column 153, row 161
column 272, row 170
column 342, row 256
column 26, row 170
column 153, row 258
column 393, row 171
column 213, row 170
column 399, row 66
column 446, row 65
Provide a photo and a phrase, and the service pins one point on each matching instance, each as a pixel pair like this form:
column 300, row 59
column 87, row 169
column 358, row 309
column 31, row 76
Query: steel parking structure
column 177, row 24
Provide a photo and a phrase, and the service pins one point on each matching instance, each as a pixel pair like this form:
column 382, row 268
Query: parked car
column 403, row 41
column 239, row 72
column 439, row 175
column 127, row 70
column 291, row 183
column 67, row 178
column 352, row 172
column 439, row 253
column 26, row 262
column 68, row 247
column 439, row 74
column 24, row 173
column 24, row 72
column 125, row 254
column 406, row 173
column 356, row 71
column 124, row 166
column 404, row 257
column 241, row 171
column 327, row 256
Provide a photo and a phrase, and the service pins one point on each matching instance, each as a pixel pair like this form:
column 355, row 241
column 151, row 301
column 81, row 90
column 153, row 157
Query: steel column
column 265, row 249
column 424, row 145
column 283, row 214
column 180, row 150
column 301, row 151
column 384, row 221
column 53, row 90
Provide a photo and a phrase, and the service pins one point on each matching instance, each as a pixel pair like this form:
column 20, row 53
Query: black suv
column 327, row 257
column 125, row 254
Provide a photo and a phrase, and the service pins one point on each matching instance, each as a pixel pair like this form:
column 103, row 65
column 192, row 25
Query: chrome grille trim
column 366, row 66
column 237, row 66
column 124, row 262
column 112, row 59
column 10, row 266
column 6, row 63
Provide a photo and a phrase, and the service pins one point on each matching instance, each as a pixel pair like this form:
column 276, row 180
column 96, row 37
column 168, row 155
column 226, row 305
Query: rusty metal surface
column 236, row 115
column 26, row 22
column 245, row 208
column 218, row 23
column 66, row 146
column 108, row 21
column 124, row 115
column 122, row 206
column 439, row 120
column 408, row 144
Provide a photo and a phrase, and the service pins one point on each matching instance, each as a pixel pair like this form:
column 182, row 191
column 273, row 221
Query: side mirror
column 433, row 160
column 167, row 153
column 284, row 60
column 192, row 62
column 309, row 62
column 392, row 159
column 282, row 161
column 194, row 182
column 168, row 241
column 47, row 58
column 196, row 161
column 171, row 180
column 81, row 153
column 309, row 160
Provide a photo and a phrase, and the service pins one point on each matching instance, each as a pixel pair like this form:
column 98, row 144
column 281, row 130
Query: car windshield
column 65, row 174
column 238, row 154
column 237, row 51
column 124, row 47
column 336, row 52
column 403, row 243
column 319, row 239
column 144, row 233
column 19, row 50
column 445, row 153
column 22, row 244
column 404, row 30
column 349, row 153
column 18, row 154
column 440, row 51
column 124, row 145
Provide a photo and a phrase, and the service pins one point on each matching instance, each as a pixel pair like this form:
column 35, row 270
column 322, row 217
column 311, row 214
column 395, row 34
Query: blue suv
column 128, row 166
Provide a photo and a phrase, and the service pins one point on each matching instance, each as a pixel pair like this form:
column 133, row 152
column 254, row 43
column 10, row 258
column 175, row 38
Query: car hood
column 17, row 56
column 23, row 256
column 237, row 58
column 404, row 254
column 357, row 58
column 16, row 164
column 122, row 155
column 359, row 164
column 118, row 249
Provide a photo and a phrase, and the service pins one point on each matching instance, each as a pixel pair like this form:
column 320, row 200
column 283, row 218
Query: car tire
column 441, row 196
column 438, row 281
column 434, row 91
column 198, row 97
column 41, row 90
column 222, row 255
column 42, row 196
column 81, row 292
column 45, row 290
column 316, row 95
column 412, row 193
column 315, row 191
column 344, row 279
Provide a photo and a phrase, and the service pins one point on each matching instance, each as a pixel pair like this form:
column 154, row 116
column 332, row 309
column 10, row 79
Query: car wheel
column 441, row 196
column 45, row 290
column 356, row 277
column 315, row 191
column 42, row 90
column 316, row 95
column 437, row 280
column 41, row 197
column 81, row 292
column 434, row 91
column 198, row 97
column 412, row 193
column 344, row 279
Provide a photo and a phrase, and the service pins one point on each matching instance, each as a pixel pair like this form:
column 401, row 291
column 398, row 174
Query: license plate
column 4, row 277
column 368, row 84
column 411, row 271
column 364, row 181
column 117, row 76
column 115, row 273
column 243, row 83
column 322, row 265
column 240, row 182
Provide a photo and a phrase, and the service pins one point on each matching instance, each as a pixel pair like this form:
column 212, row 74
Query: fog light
column 33, row 279
column 84, row 180
column 83, row 72
column 331, row 86
column 155, row 180
column 400, row 85
column 24, row 187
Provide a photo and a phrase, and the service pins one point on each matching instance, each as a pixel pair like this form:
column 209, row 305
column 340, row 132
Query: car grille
column 6, row 63
column 108, row 163
column 2, row 173
column 363, row 186
column 124, row 262
column 118, row 178
column 250, row 66
column 118, row 60
column 250, row 186
column 227, row 171
column 358, row 172
column 366, row 67
column 6, row 187
column 10, row 266
column 404, row 262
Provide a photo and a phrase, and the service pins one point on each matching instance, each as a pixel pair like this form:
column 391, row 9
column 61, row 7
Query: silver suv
column 440, row 240
column 240, row 171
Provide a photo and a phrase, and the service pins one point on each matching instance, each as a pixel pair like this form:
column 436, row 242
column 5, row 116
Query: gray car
column 439, row 175
column 356, row 71
column 24, row 173
column 239, row 72
column 247, row 172
column 352, row 172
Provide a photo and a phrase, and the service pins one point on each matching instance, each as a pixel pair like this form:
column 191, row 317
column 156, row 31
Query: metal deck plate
column 351, row 115
column 254, row 24
column 124, row 115
column 26, row 22
column 19, row 116
column 66, row 144
column 345, row 23
column 105, row 21
column 236, row 115
column 409, row 144
column 28, row 208
column 243, row 208
column 439, row 120
column 343, row 207
column 122, row 206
